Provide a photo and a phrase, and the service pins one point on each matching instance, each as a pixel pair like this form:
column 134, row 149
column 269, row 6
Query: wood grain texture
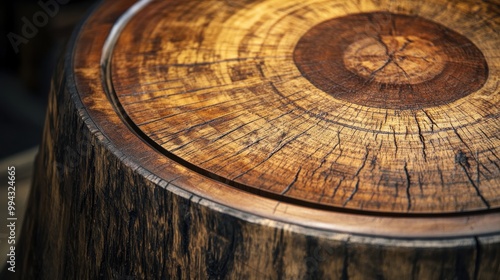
column 197, row 144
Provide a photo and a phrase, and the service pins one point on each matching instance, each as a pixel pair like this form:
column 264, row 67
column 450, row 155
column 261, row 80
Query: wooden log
column 272, row 140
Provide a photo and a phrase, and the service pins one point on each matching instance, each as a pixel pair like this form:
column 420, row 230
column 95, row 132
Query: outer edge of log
column 136, row 228
column 77, row 223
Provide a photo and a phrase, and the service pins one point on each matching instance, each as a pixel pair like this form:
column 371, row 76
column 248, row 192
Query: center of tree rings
column 390, row 61
column 395, row 59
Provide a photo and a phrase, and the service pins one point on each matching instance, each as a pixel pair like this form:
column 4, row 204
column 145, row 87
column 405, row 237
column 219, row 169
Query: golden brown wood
column 244, row 100
column 273, row 139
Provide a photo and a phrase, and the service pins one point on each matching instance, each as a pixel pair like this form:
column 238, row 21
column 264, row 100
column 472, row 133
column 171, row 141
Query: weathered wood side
column 93, row 214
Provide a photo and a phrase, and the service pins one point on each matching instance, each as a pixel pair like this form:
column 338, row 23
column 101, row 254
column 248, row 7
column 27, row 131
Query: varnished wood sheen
column 272, row 139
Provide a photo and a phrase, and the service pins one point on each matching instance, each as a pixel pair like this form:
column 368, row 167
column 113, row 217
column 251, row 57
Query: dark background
column 25, row 78
column 25, row 75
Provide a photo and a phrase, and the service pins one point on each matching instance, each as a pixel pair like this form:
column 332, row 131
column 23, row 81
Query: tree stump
column 272, row 139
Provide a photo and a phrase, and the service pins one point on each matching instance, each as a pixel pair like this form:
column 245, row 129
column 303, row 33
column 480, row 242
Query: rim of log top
column 93, row 93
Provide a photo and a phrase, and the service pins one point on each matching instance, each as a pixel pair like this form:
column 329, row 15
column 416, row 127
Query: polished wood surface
column 273, row 139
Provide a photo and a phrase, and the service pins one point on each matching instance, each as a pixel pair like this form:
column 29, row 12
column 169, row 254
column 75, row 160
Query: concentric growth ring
column 390, row 60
